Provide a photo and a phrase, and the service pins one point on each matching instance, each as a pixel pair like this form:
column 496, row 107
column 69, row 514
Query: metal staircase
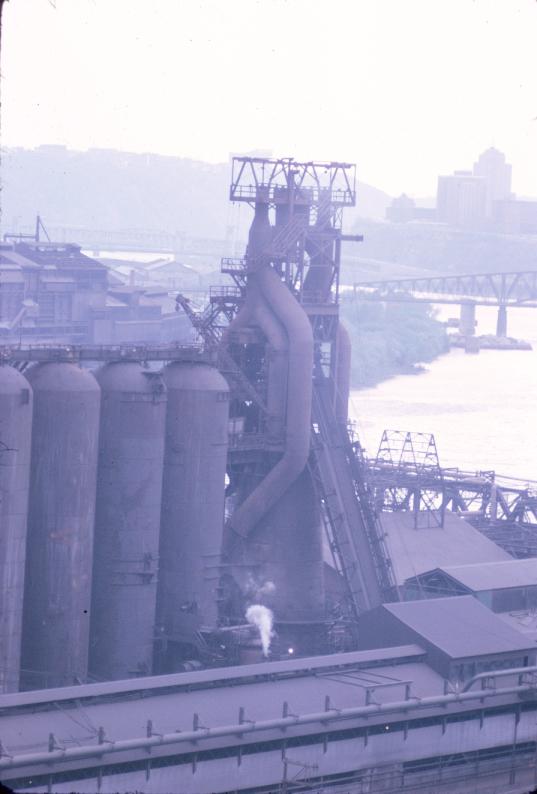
column 204, row 323
column 288, row 236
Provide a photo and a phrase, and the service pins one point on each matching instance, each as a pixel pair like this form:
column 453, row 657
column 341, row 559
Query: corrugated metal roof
column 18, row 260
column 78, row 722
column 523, row 620
column 460, row 626
column 212, row 677
column 494, row 575
column 59, row 254
column 414, row 551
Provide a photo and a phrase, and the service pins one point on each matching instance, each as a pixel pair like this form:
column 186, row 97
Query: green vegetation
column 390, row 338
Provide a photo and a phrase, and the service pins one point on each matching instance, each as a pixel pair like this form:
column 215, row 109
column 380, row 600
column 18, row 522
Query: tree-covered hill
column 390, row 339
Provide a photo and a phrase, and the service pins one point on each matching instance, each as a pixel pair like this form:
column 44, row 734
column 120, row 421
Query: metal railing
column 75, row 353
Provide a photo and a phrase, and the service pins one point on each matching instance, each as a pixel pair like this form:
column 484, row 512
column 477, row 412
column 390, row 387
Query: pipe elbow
column 298, row 331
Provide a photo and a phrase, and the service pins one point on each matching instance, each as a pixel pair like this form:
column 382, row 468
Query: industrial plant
column 207, row 585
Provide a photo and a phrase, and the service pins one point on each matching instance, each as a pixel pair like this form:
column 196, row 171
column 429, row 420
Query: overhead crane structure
column 406, row 475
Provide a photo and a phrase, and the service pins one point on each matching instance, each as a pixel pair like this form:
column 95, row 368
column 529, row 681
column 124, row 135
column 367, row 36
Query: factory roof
column 494, row 575
column 304, row 684
column 523, row 620
column 459, row 626
column 213, row 677
column 58, row 254
column 10, row 257
column 414, row 551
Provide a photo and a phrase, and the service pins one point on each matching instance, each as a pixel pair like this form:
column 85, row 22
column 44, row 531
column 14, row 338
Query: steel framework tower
column 291, row 464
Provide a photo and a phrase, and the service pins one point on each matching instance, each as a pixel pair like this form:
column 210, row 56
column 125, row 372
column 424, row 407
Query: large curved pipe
column 298, row 404
column 243, row 318
column 277, row 366
column 256, row 310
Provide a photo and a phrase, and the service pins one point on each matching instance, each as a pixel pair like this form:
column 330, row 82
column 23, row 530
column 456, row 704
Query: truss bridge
column 504, row 290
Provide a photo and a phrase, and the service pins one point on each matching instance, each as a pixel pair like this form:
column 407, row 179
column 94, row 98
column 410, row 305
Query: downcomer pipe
column 256, row 311
column 277, row 365
column 294, row 320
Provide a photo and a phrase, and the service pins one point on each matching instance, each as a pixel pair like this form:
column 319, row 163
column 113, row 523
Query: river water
column 482, row 409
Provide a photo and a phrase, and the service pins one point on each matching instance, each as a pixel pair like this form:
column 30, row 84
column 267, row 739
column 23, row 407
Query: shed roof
column 61, row 255
column 260, row 689
column 494, row 575
column 460, row 626
column 414, row 551
column 10, row 257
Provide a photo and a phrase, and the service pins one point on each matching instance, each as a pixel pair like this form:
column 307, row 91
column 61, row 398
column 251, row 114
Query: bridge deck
column 517, row 288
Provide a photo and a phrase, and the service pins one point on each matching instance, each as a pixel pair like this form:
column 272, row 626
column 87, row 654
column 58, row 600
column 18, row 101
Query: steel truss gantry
column 406, row 475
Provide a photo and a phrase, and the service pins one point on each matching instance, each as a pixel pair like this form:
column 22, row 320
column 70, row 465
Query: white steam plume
column 263, row 619
column 257, row 590
column 267, row 588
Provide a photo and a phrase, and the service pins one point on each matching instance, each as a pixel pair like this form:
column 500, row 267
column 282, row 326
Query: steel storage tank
column 127, row 520
column 192, row 514
column 15, row 443
column 60, row 525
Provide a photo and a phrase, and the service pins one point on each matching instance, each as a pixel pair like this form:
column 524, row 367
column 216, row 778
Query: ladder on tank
column 354, row 533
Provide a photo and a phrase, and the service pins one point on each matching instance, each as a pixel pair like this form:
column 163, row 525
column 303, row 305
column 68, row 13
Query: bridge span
column 504, row 290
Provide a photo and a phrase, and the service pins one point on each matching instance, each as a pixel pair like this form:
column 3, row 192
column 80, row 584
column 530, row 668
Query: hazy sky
column 406, row 89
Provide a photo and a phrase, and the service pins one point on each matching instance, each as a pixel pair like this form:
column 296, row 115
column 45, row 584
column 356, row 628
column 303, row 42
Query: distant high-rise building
column 491, row 165
column 462, row 199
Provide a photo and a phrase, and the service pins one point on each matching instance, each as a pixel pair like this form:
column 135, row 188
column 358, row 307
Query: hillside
column 108, row 189
column 437, row 247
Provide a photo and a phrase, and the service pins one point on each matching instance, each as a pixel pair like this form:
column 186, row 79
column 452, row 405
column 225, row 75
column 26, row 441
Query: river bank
column 391, row 339
column 482, row 409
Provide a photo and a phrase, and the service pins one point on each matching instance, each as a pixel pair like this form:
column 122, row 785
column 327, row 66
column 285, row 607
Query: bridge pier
column 501, row 322
column 467, row 319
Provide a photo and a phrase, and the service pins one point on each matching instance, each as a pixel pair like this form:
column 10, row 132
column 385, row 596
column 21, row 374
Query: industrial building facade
column 55, row 293
column 365, row 721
